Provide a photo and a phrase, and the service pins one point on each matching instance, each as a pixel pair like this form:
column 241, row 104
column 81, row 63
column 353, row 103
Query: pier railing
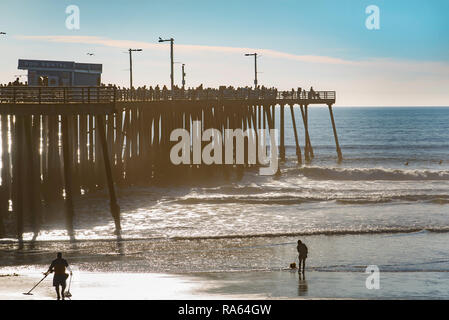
column 56, row 94
column 109, row 94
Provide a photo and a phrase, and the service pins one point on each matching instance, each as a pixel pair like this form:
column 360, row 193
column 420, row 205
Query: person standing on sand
column 302, row 255
column 59, row 279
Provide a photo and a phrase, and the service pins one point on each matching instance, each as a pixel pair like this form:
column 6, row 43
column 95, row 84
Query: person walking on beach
column 302, row 255
column 58, row 266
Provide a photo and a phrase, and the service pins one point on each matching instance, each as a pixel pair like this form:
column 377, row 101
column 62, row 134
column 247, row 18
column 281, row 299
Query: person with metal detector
column 58, row 266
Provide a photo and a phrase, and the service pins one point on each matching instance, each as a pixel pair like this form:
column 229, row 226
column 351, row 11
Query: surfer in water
column 302, row 256
column 58, row 266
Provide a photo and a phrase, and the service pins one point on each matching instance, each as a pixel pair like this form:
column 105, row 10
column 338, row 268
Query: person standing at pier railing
column 157, row 93
column 311, row 93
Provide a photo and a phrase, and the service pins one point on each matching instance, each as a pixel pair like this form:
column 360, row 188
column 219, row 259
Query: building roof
column 60, row 66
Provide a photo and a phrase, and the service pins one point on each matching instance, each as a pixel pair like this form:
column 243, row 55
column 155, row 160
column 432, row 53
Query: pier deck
column 105, row 100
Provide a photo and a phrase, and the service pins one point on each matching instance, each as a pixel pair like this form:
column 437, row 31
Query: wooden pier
column 61, row 143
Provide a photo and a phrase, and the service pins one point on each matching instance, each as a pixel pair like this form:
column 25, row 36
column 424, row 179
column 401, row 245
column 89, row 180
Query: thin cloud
column 186, row 47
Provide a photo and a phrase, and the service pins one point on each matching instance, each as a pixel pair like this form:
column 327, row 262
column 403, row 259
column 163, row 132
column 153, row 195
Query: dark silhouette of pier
column 63, row 142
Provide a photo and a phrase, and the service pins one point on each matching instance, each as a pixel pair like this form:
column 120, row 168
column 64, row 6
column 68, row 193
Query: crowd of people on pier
column 199, row 93
column 16, row 83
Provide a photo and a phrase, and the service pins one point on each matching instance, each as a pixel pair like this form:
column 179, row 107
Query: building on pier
column 61, row 73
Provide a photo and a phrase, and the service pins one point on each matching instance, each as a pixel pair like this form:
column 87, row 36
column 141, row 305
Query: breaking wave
column 325, row 232
column 291, row 200
column 321, row 173
column 330, row 232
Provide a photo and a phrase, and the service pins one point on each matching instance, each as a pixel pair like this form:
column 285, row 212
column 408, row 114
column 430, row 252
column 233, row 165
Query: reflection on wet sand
column 303, row 287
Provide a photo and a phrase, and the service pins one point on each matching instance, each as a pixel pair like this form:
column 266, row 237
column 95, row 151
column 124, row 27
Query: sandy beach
column 113, row 286
column 236, row 285
column 256, row 268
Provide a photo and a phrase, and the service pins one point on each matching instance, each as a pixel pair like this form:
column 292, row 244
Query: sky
column 319, row 43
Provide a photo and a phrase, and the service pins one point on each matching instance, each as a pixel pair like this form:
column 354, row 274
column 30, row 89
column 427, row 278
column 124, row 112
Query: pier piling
column 339, row 154
column 282, row 137
column 115, row 209
column 5, row 175
column 18, row 177
column 68, row 201
column 298, row 148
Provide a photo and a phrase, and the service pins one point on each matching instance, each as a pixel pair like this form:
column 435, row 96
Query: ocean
column 386, row 203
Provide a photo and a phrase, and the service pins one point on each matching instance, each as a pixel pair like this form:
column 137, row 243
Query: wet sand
column 413, row 265
column 232, row 285
column 117, row 286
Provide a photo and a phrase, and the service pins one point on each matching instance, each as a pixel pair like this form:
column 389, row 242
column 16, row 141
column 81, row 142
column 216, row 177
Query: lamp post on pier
column 255, row 67
column 172, row 79
column 131, row 66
